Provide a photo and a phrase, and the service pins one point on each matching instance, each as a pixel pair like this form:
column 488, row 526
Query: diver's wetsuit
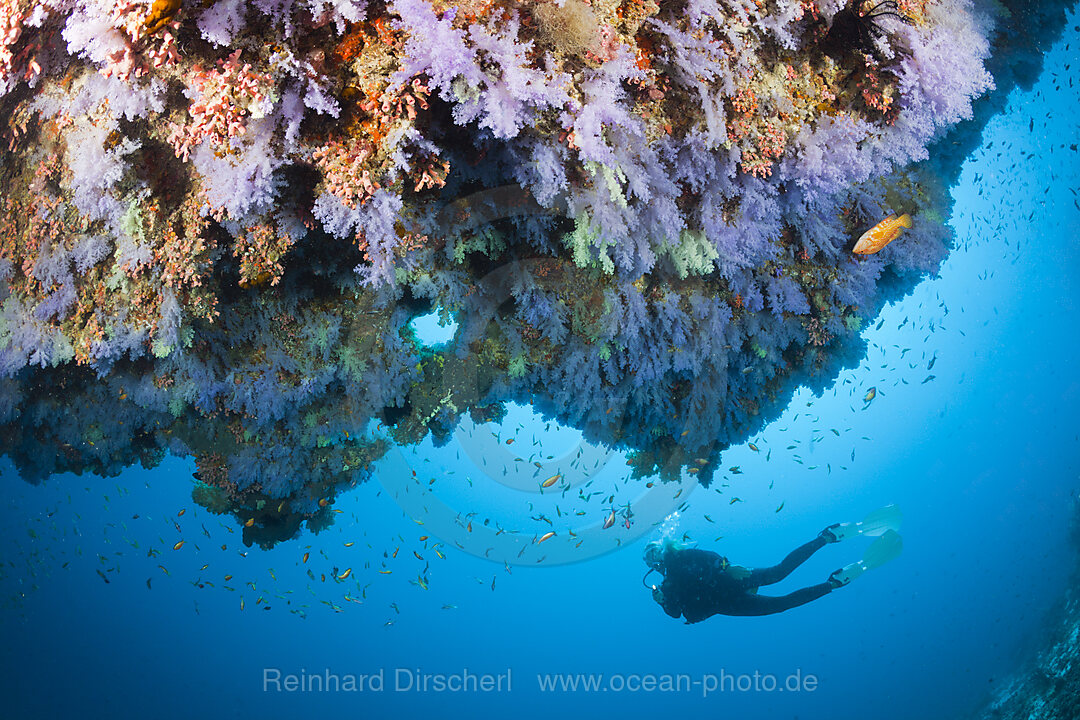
column 697, row 585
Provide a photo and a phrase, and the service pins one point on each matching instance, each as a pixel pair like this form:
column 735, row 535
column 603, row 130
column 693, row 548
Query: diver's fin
column 881, row 521
column 876, row 523
column 885, row 548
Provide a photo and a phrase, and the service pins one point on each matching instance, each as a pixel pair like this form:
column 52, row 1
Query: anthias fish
column 881, row 234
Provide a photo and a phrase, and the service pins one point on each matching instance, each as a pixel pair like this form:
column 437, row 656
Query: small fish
column 781, row 507
column 228, row 578
column 181, row 513
column 546, row 536
column 754, row 447
column 323, row 502
column 349, row 544
column 178, row 545
column 423, row 538
column 250, row 522
column 735, row 500
column 345, row 575
column 306, row 556
column 870, row 395
column 550, row 481
column 610, row 520
column 881, row 234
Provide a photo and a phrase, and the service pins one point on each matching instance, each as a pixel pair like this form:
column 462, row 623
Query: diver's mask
column 654, row 555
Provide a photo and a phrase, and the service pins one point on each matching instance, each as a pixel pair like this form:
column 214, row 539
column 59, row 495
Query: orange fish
column 881, row 234
column 345, row 575
column 547, row 536
column 306, row 556
column 178, row 545
column 550, row 481
column 250, row 522
column 182, row 511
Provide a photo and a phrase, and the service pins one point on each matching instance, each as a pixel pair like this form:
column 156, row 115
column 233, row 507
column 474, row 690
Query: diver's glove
column 658, row 595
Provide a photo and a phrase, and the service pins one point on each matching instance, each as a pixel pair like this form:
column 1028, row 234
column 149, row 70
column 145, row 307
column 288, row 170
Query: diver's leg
column 766, row 605
column 776, row 573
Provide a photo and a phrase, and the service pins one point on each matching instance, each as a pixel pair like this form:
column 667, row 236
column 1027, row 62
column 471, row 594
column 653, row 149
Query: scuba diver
column 700, row 583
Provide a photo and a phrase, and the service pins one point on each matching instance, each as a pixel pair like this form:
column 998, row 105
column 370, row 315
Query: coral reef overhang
column 218, row 220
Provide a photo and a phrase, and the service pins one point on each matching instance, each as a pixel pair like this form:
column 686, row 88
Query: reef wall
column 1049, row 689
column 218, row 219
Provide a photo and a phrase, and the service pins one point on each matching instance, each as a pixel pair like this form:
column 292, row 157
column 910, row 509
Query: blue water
column 430, row 331
column 983, row 459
